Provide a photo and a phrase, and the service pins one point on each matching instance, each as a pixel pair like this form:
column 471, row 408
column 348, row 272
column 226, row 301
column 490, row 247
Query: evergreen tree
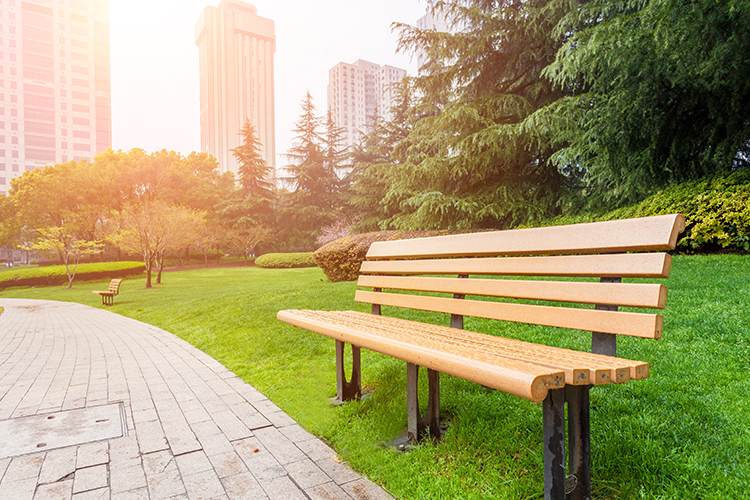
column 253, row 170
column 662, row 93
column 314, row 199
column 376, row 163
column 471, row 160
column 306, row 154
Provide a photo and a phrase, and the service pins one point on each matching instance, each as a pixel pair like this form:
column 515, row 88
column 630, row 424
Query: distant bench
column 108, row 296
column 605, row 250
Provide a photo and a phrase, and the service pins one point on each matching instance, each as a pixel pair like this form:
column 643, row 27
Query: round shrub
column 285, row 260
column 341, row 259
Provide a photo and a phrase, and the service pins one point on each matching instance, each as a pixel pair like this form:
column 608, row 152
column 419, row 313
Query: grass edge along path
column 682, row 433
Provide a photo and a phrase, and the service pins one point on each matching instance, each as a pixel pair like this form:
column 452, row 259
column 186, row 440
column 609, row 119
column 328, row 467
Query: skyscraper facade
column 55, row 103
column 236, row 49
column 357, row 92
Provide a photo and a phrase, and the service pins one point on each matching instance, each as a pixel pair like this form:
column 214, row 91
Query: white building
column 359, row 91
column 236, row 51
column 55, row 103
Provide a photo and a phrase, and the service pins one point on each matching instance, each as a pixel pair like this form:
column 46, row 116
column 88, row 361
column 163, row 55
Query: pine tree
column 472, row 161
column 253, row 171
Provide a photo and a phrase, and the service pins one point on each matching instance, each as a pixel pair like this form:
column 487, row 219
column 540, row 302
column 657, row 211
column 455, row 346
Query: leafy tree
column 67, row 196
column 209, row 236
column 10, row 223
column 151, row 229
column 55, row 241
column 662, row 93
column 246, row 241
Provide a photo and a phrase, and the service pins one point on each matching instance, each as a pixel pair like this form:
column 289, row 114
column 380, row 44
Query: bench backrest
column 602, row 250
column 114, row 286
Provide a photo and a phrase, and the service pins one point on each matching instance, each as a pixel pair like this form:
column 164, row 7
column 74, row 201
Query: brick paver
column 194, row 429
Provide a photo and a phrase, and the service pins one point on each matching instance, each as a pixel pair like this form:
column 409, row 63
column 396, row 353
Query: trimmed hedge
column 341, row 259
column 285, row 260
column 56, row 275
column 716, row 210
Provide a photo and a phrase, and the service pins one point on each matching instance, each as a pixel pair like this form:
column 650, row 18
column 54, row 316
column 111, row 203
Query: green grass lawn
column 683, row 433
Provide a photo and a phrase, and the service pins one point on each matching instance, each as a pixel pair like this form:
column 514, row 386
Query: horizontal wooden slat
column 395, row 337
column 618, row 323
column 581, row 368
column 647, row 265
column 629, row 235
column 619, row 294
column 523, row 379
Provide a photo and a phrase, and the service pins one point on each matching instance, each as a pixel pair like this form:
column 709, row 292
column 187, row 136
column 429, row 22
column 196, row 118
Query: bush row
column 342, row 258
column 285, row 260
column 56, row 275
column 716, row 210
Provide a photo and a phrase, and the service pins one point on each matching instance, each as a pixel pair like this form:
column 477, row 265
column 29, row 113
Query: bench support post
column 577, row 485
column 605, row 343
column 553, row 422
column 418, row 426
column 457, row 320
column 346, row 391
column 579, row 442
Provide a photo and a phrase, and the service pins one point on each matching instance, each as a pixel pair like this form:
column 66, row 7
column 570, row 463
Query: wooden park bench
column 108, row 296
column 610, row 251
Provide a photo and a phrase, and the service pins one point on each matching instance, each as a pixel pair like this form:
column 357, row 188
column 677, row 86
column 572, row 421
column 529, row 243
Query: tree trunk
column 159, row 267
column 149, row 265
column 70, row 276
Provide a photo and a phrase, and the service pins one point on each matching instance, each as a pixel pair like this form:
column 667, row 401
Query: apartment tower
column 357, row 92
column 236, row 49
column 55, row 103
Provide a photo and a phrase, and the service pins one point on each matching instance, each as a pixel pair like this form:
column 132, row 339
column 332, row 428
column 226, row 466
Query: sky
column 154, row 61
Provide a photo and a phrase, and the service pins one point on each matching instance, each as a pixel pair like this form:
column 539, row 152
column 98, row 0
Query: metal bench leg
column 553, row 421
column 579, row 442
column 418, row 426
column 346, row 391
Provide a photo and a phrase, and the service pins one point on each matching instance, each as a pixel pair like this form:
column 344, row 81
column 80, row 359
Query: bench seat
column 521, row 368
column 108, row 296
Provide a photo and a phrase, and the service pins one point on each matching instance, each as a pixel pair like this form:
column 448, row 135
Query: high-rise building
column 236, row 49
column 55, row 103
column 357, row 92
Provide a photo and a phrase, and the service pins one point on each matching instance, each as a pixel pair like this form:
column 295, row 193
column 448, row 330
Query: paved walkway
column 194, row 429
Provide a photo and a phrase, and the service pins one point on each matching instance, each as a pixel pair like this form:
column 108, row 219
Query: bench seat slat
column 629, row 235
column 581, row 368
column 618, row 323
column 526, row 380
column 470, row 355
column 619, row 294
column 648, row 265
